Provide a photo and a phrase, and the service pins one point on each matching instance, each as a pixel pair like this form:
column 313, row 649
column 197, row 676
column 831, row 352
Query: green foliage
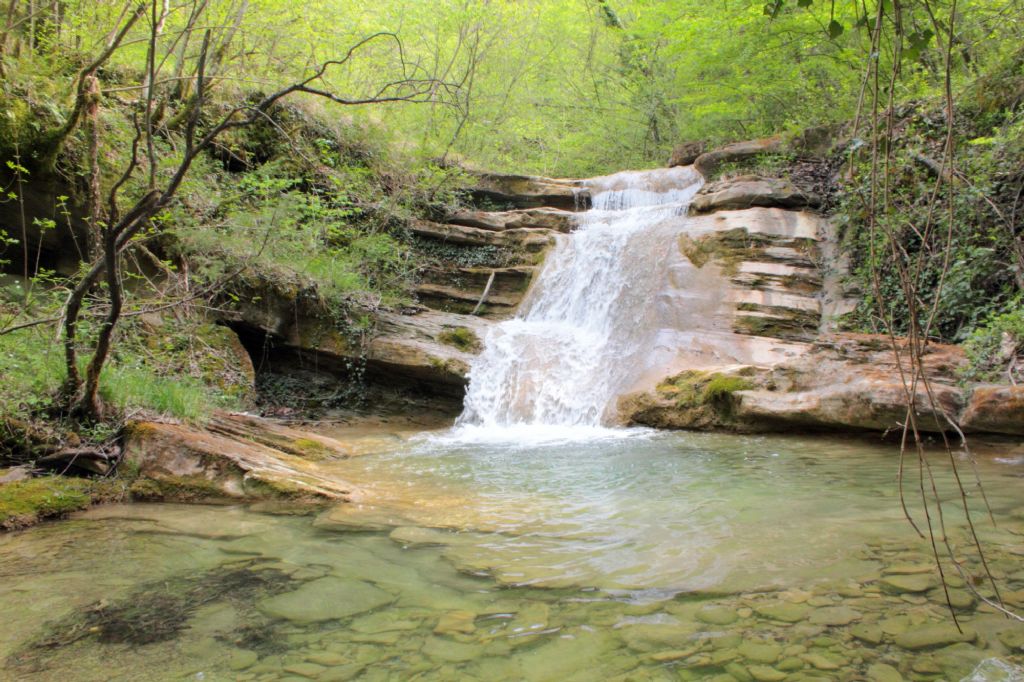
column 993, row 346
column 548, row 86
column 137, row 387
column 140, row 377
column 972, row 238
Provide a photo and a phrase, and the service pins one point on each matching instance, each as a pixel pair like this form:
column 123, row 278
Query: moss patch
column 462, row 338
column 720, row 387
column 775, row 322
column 177, row 488
column 311, row 449
column 23, row 503
column 729, row 248
column 694, row 388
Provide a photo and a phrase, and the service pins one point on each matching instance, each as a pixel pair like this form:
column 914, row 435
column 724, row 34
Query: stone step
column 460, row 301
column 502, row 192
column 531, row 218
column 512, row 281
column 531, row 240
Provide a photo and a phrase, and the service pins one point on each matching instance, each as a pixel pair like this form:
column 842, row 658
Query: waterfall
column 582, row 332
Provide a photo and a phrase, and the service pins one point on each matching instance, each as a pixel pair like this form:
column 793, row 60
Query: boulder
column 748, row 191
column 686, row 153
column 861, row 404
column 709, row 163
column 842, row 382
column 995, row 409
column 235, row 456
column 328, row 598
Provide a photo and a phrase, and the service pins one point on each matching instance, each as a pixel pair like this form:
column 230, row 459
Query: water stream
column 586, row 326
column 660, row 557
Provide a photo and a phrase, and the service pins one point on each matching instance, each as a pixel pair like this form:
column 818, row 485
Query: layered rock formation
column 480, row 265
column 756, row 293
column 234, row 456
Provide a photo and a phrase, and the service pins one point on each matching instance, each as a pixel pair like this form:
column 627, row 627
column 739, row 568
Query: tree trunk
column 90, row 405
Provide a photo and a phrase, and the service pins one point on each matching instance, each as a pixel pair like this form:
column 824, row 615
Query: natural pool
column 641, row 556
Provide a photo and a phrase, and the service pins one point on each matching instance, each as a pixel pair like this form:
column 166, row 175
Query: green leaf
column 804, row 3
column 773, row 8
column 835, row 29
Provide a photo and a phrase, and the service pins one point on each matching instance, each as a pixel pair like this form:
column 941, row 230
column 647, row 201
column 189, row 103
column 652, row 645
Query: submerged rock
column 760, row 652
column 786, row 612
column 324, row 599
column 764, row 673
column 449, row 650
column 717, row 615
column 932, row 636
column 880, row 672
column 835, row 615
column 919, row 582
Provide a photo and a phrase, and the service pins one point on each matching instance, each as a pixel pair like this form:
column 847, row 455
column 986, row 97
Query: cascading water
column 581, row 334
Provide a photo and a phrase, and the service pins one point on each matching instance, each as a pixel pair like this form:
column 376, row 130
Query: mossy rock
column 179, row 488
column 703, row 399
column 23, row 503
column 728, row 248
column 311, row 449
column 695, row 388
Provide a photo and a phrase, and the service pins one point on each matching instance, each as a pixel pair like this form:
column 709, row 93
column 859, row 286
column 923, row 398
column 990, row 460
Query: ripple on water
column 681, row 555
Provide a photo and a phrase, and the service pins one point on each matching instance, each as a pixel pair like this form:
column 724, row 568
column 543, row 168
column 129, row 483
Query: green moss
column 146, row 490
column 720, row 387
column 776, row 322
column 728, row 248
column 462, row 338
column 311, row 449
column 685, row 388
column 179, row 488
column 25, row 502
column 709, row 393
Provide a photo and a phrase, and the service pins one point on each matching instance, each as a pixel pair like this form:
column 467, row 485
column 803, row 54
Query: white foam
column 586, row 327
column 529, row 436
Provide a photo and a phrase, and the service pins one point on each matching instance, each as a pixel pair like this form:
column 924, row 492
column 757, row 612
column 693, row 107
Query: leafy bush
column 994, row 345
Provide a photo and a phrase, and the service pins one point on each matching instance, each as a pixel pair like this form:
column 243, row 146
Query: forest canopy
column 559, row 87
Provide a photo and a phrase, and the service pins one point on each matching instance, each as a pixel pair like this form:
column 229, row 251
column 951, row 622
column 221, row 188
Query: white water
column 586, row 326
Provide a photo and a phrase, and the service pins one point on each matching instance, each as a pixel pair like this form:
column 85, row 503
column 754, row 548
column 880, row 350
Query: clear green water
column 669, row 556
